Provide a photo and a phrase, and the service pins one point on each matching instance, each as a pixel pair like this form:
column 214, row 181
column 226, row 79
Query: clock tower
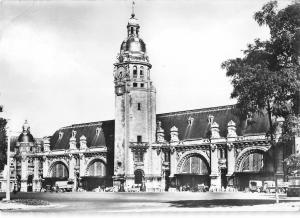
column 135, row 109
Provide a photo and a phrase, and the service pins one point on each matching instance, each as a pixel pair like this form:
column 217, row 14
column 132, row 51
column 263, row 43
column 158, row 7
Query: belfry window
column 131, row 30
column 139, row 138
column 134, row 72
column 142, row 72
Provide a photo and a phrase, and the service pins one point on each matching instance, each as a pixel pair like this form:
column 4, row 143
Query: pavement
column 136, row 204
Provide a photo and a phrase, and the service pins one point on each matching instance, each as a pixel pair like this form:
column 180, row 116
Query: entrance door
column 167, row 179
column 138, row 177
column 223, row 178
column 29, row 183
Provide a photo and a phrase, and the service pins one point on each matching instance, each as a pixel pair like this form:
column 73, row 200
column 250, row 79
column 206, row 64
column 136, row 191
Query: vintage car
column 293, row 189
column 64, row 186
column 255, row 186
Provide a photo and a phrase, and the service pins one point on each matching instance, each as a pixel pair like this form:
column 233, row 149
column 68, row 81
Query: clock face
column 120, row 90
column 121, row 72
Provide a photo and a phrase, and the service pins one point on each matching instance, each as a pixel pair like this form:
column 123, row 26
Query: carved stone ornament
column 160, row 133
column 158, row 150
column 215, row 132
column 213, row 147
column 174, row 134
column 83, row 142
column 172, row 149
column 231, row 129
column 81, row 156
column 230, row 146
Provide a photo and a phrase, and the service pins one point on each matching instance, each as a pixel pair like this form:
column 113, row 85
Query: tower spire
column 132, row 8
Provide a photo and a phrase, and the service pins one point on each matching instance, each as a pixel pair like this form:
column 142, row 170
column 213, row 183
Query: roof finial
column 132, row 13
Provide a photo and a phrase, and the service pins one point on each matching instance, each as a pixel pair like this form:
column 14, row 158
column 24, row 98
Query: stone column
column 82, row 164
column 173, row 153
column 215, row 177
column 231, row 137
column 83, row 147
column 24, row 173
column 36, row 177
column 72, row 164
column 45, row 166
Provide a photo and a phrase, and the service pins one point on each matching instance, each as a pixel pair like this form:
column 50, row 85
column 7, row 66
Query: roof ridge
column 84, row 124
column 217, row 108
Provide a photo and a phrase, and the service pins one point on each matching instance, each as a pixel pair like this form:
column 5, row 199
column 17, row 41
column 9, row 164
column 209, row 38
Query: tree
column 3, row 143
column 267, row 77
column 293, row 163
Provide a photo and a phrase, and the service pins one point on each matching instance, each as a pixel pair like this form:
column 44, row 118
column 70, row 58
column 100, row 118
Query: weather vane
column 133, row 4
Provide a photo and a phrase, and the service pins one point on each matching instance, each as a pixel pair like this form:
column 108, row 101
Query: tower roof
column 133, row 43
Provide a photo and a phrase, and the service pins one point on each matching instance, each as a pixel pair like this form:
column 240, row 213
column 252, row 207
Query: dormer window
column 210, row 119
column 60, row 135
column 98, row 130
column 134, row 72
column 190, row 120
column 73, row 133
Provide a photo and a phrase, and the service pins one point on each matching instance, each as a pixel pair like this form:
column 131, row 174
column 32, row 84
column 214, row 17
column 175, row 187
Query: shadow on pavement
column 220, row 203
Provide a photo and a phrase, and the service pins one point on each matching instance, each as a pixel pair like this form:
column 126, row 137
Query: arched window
column 194, row 165
column 59, row 170
column 141, row 72
column 134, row 72
column 97, row 168
column 253, row 163
column 131, row 30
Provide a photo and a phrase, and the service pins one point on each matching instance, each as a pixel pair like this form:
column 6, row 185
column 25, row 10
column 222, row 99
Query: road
column 105, row 203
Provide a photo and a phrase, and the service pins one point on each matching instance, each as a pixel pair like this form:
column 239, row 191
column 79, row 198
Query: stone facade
column 210, row 146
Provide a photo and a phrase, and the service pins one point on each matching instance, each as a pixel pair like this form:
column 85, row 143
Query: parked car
column 255, row 186
column 293, row 189
column 64, row 186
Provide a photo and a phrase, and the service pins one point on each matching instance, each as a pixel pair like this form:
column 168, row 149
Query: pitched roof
column 199, row 126
column 191, row 124
column 98, row 134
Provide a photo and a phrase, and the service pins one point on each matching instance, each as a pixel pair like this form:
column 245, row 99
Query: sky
column 56, row 57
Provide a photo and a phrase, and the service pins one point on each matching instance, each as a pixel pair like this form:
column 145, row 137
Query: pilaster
column 36, row 177
column 24, row 174
column 231, row 137
column 215, row 177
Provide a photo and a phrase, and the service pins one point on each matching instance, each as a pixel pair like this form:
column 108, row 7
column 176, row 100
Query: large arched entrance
column 253, row 164
column 95, row 175
column 193, row 171
column 58, row 172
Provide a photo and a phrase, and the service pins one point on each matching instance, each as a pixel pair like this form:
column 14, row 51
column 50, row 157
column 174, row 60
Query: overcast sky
column 56, row 57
